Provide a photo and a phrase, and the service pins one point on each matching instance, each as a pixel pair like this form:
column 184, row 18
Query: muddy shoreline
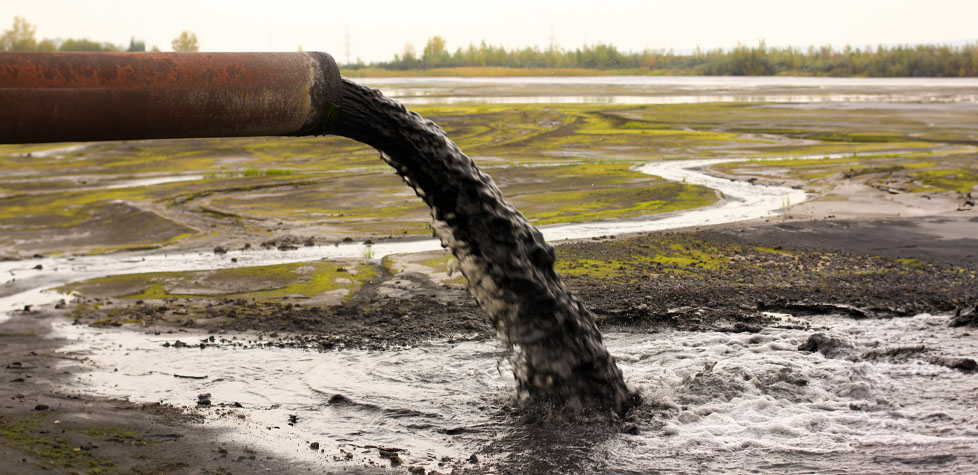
column 878, row 268
column 723, row 277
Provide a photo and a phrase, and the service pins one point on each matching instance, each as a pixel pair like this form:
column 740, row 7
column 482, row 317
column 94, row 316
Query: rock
column 220, row 250
column 965, row 316
column 630, row 429
column 347, row 239
column 828, row 346
column 41, row 407
column 340, row 400
column 391, row 454
column 314, row 446
column 38, row 267
column 966, row 365
column 416, row 470
column 204, row 399
column 473, row 459
column 900, row 353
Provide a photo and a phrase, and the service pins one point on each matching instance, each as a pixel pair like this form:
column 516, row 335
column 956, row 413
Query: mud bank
column 727, row 277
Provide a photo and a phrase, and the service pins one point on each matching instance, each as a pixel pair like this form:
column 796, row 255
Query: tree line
column 760, row 60
column 21, row 37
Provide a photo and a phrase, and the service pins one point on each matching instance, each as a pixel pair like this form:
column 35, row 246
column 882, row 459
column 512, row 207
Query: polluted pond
column 804, row 394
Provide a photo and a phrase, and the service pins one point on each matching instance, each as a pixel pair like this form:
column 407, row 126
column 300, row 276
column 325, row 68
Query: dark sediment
column 558, row 352
column 726, row 278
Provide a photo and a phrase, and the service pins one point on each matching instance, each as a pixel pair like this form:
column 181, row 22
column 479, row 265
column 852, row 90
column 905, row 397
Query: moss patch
column 47, row 449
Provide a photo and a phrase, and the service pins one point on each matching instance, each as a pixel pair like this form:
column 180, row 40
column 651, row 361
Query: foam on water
column 716, row 401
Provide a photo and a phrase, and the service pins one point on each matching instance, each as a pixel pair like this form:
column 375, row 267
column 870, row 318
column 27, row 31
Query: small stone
column 220, row 250
column 38, row 267
column 204, row 399
column 314, row 446
column 41, row 407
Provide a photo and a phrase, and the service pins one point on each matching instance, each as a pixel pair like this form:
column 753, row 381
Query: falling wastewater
column 558, row 355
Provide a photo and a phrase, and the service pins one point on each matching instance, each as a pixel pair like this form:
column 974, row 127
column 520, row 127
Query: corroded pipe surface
column 58, row 97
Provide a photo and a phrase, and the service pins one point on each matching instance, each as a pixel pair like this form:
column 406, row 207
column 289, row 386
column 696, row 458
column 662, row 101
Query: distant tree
column 46, row 45
column 186, row 42
column 435, row 53
column 155, row 49
column 86, row 44
column 20, row 37
column 136, row 46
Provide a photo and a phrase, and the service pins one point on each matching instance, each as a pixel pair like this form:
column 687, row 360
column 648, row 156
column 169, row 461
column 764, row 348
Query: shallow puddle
column 717, row 401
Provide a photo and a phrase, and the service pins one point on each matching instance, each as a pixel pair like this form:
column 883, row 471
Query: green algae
column 48, row 449
column 275, row 282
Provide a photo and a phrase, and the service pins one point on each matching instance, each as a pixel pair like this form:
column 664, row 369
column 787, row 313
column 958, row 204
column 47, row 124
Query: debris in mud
column 391, row 454
column 183, row 376
column 289, row 243
column 204, row 400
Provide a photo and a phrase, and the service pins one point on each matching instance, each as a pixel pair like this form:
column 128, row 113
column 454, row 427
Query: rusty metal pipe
column 61, row 97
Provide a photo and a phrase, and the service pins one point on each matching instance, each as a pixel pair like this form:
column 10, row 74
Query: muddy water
column 716, row 401
column 557, row 352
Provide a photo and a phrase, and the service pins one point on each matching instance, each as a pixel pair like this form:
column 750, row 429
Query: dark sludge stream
column 558, row 355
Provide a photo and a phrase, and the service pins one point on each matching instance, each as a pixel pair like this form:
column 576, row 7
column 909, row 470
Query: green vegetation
column 956, row 179
column 48, row 449
column 275, row 282
column 911, row 172
column 760, row 60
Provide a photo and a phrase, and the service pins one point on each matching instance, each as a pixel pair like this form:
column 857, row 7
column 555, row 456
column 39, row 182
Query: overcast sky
column 377, row 29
